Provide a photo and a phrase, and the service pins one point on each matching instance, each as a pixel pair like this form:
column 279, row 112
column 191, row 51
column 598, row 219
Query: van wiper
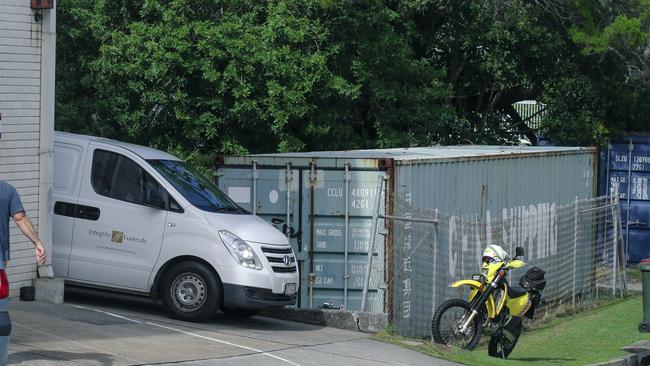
column 228, row 209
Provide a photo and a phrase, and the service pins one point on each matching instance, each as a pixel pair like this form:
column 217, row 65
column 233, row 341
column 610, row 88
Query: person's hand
column 40, row 253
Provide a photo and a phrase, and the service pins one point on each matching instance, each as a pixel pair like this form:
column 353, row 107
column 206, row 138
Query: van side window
column 116, row 176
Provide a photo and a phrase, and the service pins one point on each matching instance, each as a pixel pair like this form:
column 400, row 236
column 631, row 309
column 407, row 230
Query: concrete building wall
column 27, row 56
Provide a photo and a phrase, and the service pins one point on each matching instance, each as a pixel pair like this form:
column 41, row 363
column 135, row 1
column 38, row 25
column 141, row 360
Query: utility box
column 326, row 200
column 42, row 4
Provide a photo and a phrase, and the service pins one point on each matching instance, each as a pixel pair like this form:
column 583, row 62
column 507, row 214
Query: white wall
column 27, row 108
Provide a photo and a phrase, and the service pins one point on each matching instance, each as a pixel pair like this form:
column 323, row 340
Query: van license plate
column 290, row 289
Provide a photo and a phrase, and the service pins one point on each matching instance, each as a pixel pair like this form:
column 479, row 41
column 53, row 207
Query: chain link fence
column 578, row 245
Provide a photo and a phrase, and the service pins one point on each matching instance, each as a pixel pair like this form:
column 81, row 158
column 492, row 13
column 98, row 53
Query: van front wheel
column 191, row 292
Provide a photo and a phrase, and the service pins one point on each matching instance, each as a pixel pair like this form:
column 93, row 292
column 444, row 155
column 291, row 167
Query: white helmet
column 494, row 252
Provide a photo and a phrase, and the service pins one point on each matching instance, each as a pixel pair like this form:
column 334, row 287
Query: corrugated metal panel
column 20, row 94
column 620, row 164
column 487, row 190
column 488, row 185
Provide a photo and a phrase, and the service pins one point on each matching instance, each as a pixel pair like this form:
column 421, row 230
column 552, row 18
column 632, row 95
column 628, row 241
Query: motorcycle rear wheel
column 500, row 346
column 446, row 320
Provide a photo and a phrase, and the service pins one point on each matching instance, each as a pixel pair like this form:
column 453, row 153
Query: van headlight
column 240, row 250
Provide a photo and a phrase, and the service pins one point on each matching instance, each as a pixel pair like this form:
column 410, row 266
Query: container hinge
column 312, row 172
column 347, row 176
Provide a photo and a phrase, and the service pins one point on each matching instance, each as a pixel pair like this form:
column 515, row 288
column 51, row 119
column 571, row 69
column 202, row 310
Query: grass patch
column 591, row 336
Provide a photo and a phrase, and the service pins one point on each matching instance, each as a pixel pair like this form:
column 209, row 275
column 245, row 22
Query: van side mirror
column 277, row 221
column 290, row 232
column 155, row 198
column 519, row 252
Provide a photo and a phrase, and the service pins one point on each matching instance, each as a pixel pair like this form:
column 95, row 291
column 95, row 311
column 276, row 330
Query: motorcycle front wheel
column 501, row 346
column 447, row 321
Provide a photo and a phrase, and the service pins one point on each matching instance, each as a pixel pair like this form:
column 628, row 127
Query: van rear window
column 195, row 187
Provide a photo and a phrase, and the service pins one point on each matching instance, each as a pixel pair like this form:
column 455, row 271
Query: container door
column 626, row 170
column 338, row 279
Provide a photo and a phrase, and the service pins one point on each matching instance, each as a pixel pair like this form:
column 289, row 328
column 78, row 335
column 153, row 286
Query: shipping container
column 325, row 200
column 624, row 162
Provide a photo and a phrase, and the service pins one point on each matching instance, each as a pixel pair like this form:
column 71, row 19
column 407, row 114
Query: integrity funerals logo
column 117, row 237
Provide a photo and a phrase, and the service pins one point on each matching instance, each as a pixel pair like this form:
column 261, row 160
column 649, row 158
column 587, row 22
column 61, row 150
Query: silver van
column 135, row 219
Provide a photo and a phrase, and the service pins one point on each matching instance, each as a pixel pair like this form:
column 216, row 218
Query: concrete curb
column 342, row 319
column 639, row 359
column 640, row 356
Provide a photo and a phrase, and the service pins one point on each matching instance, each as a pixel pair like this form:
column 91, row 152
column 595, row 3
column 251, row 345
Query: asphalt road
column 95, row 328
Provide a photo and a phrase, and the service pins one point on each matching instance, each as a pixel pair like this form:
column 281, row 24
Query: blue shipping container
column 622, row 164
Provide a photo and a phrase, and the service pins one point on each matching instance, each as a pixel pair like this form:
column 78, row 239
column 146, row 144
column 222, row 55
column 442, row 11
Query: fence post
column 629, row 202
column 371, row 246
column 623, row 253
column 435, row 261
column 575, row 253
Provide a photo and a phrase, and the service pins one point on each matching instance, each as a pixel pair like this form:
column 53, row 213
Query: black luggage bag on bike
column 533, row 279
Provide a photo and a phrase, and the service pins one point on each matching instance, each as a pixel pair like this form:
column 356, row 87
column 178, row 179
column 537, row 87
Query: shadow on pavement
column 134, row 303
column 60, row 356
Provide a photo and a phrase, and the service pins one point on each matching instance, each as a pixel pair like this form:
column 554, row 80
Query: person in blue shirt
column 11, row 206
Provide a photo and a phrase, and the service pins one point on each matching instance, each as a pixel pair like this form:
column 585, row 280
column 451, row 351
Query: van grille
column 277, row 250
column 275, row 256
column 284, row 269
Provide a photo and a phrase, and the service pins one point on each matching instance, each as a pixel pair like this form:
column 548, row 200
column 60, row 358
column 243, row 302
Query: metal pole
column 575, row 253
column 371, row 246
column 346, row 275
column 254, row 188
column 408, row 219
column 629, row 190
column 623, row 258
column 288, row 179
column 614, row 248
column 608, row 193
column 312, row 273
column 608, row 190
column 435, row 263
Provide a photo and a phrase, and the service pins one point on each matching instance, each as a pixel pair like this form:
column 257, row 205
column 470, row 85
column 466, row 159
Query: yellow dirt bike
column 494, row 307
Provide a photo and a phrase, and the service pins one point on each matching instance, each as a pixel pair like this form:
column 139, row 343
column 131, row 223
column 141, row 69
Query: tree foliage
column 237, row 76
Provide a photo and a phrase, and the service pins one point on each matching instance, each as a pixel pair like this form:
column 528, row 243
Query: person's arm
column 25, row 225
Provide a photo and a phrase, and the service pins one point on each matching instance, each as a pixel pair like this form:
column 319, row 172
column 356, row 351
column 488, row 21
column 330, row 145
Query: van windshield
column 195, row 187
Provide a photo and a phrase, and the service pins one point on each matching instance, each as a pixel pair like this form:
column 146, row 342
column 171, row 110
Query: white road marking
column 224, row 342
column 107, row 313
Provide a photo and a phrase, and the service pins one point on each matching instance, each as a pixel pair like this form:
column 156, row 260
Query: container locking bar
column 255, row 176
column 346, row 275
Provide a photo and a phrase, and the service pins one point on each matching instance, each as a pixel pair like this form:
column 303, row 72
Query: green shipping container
column 327, row 199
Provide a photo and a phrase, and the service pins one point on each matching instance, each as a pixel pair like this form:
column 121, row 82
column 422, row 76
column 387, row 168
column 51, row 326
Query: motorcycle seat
column 516, row 291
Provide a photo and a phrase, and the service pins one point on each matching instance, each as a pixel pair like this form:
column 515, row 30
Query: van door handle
column 75, row 210
column 171, row 224
column 87, row 212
